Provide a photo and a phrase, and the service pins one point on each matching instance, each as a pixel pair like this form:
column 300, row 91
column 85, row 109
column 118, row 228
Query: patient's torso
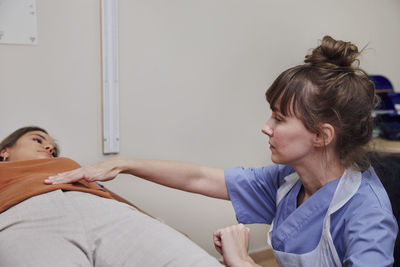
column 20, row 180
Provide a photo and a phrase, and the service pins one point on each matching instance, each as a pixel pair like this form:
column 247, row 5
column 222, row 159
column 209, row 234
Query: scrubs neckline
column 292, row 219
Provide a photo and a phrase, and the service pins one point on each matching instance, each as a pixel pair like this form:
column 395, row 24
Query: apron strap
column 347, row 187
column 290, row 181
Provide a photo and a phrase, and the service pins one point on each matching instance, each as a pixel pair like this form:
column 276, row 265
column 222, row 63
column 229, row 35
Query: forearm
column 180, row 175
column 184, row 176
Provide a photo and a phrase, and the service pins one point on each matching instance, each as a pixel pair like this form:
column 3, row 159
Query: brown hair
column 10, row 140
column 330, row 88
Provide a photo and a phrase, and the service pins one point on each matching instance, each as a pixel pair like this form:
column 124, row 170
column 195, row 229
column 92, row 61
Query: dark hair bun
column 333, row 52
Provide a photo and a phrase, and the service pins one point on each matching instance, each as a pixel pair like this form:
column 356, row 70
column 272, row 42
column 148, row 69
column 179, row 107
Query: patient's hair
column 10, row 140
column 330, row 88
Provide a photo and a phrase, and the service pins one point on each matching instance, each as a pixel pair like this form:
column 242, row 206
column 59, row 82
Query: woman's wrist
column 122, row 165
column 244, row 262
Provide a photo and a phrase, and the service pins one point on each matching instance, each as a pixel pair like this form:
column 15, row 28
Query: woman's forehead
column 286, row 108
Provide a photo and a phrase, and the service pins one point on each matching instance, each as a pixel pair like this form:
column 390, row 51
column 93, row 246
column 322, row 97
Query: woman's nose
column 50, row 148
column 267, row 129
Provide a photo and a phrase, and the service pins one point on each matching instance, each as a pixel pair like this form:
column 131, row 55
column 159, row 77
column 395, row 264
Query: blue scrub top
column 363, row 230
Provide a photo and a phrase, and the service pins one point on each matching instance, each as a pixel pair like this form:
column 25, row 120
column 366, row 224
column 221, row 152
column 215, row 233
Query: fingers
column 102, row 171
column 234, row 229
column 217, row 241
column 66, row 177
column 232, row 234
column 233, row 243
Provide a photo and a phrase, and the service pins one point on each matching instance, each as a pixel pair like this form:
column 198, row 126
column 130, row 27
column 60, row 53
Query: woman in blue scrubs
column 325, row 204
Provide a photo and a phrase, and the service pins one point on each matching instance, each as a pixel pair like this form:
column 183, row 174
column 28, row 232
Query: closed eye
column 278, row 118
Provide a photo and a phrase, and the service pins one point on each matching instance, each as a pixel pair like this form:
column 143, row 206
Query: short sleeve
column 371, row 229
column 370, row 238
column 252, row 191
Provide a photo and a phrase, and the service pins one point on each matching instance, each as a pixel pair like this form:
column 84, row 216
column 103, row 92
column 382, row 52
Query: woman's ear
column 4, row 153
column 325, row 135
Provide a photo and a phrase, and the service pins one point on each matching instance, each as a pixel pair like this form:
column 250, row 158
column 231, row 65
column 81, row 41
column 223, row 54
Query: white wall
column 192, row 81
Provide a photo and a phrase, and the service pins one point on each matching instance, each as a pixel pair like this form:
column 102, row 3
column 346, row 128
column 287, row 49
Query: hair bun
column 333, row 52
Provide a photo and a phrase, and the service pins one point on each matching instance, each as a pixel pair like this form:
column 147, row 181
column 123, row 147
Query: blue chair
column 387, row 114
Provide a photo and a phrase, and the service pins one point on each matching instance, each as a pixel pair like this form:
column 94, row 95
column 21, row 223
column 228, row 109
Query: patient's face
column 32, row 145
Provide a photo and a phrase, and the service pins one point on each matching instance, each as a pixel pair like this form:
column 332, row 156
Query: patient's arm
column 180, row 175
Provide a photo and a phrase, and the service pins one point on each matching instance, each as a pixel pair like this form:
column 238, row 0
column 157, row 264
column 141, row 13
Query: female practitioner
column 325, row 204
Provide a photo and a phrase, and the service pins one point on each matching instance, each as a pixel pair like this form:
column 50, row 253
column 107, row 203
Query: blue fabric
column 363, row 230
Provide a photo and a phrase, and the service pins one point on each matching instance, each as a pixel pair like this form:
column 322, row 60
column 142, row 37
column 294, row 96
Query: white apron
column 325, row 253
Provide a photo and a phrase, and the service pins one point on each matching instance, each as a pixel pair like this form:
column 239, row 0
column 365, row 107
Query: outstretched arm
column 180, row 175
column 233, row 244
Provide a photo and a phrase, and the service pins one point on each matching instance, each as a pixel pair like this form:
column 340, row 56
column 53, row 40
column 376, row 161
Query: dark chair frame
column 387, row 167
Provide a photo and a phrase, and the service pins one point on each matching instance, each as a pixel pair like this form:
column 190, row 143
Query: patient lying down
column 78, row 224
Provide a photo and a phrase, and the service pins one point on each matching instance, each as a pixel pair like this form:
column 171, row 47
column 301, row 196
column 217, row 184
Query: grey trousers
column 67, row 229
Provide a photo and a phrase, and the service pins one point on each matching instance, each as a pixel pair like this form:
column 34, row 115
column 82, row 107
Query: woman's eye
column 278, row 119
column 37, row 140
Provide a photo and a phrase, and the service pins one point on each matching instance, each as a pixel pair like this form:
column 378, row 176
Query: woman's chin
column 275, row 159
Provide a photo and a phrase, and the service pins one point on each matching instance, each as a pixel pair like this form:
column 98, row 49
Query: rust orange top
column 20, row 180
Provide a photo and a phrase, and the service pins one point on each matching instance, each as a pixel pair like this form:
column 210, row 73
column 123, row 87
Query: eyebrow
column 275, row 109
